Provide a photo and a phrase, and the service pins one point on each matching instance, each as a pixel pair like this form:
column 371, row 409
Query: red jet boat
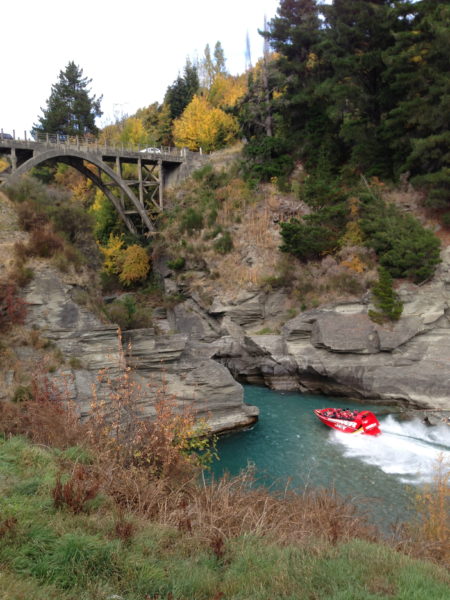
column 349, row 421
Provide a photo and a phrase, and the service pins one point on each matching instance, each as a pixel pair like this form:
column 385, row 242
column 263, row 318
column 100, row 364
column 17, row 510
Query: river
column 381, row 474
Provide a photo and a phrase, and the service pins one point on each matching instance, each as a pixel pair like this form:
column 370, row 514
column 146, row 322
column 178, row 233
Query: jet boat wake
column 411, row 451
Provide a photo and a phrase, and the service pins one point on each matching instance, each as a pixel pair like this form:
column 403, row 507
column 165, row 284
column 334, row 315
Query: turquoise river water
column 379, row 473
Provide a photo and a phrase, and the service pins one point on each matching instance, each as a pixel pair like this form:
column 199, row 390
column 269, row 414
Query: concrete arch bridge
column 136, row 200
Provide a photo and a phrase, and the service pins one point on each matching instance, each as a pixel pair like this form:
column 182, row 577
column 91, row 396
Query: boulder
column 345, row 333
column 246, row 309
column 188, row 318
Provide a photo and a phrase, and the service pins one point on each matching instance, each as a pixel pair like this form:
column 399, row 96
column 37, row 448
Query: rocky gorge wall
column 201, row 349
column 335, row 349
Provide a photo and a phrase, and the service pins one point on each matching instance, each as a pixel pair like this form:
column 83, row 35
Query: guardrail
column 89, row 142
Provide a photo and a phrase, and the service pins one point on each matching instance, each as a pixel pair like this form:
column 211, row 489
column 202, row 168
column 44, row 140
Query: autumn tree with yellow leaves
column 227, row 89
column 203, row 126
column 131, row 264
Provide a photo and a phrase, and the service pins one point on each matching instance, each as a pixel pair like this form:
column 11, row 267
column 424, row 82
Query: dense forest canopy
column 363, row 84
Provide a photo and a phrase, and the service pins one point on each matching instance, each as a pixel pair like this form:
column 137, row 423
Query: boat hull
column 362, row 422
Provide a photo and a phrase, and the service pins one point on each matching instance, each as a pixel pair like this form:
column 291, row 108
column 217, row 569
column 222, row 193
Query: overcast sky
column 131, row 49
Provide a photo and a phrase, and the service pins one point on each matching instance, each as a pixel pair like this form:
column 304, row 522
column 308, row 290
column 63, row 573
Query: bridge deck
column 106, row 152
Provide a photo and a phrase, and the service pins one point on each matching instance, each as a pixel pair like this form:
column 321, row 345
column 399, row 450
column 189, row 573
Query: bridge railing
column 91, row 143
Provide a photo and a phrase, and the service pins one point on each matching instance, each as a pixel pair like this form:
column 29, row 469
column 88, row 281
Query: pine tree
column 294, row 77
column 418, row 126
column 356, row 34
column 71, row 110
column 385, row 299
column 183, row 89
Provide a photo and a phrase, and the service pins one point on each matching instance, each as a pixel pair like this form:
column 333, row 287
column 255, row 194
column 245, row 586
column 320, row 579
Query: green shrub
column 75, row 363
column 209, row 177
column 224, row 244
column 266, row 158
column 212, row 216
column 177, row 264
column 22, row 393
column 436, row 184
column 191, row 221
column 21, row 274
column 320, row 190
column 128, row 315
column 306, row 241
column 210, row 235
column 403, row 246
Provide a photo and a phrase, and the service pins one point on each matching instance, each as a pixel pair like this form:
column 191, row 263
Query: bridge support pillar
column 161, row 184
column 141, row 183
column 13, row 159
column 119, row 173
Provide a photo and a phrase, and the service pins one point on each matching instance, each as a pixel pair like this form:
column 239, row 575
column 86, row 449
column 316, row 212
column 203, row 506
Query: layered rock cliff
column 335, row 349
column 174, row 362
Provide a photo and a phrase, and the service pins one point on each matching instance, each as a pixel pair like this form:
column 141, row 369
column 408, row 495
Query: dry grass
column 146, row 468
column 233, row 507
column 255, row 252
column 429, row 536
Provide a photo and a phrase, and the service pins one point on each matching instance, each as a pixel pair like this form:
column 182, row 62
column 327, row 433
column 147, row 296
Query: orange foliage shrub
column 354, row 264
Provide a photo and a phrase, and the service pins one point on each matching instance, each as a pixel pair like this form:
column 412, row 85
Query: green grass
column 48, row 554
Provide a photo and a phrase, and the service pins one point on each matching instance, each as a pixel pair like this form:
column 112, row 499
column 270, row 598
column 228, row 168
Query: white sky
column 131, row 49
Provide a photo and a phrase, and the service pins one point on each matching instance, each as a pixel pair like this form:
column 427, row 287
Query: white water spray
column 408, row 450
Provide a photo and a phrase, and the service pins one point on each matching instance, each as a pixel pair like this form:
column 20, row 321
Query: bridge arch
column 76, row 159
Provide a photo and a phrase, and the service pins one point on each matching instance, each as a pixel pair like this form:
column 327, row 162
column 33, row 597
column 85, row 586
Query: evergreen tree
column 294, row 34
column 385, row 299
column 294, row 102
column 356, row 34
column 219, row 59
column 71, row 110
column 183, row 89
column 403, row 246
column 418, row 126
